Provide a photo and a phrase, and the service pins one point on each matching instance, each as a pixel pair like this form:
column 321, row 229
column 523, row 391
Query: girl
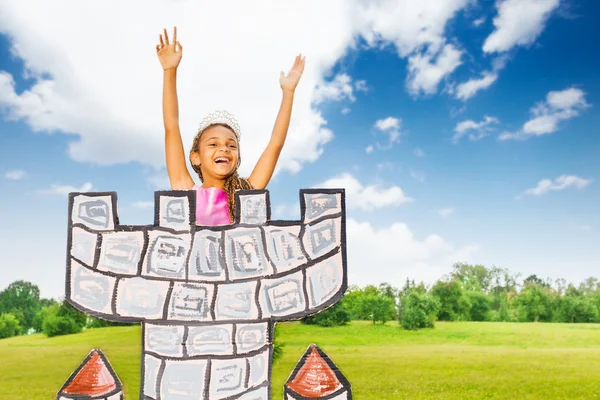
column 215, row 154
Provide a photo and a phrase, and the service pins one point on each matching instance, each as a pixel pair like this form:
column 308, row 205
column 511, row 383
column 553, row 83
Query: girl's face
column 217, row 153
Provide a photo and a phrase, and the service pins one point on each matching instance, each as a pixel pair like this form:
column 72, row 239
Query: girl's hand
column 169, row 54
column 289, row 82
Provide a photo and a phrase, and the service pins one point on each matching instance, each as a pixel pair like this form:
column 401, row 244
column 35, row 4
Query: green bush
column 455, row 305
column 9, row 326
column 62, row 319
column 481, row 306
column 335, row 315
column 55, row 325
column 419, row 310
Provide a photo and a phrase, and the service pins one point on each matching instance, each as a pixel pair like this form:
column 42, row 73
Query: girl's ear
column 195, row 158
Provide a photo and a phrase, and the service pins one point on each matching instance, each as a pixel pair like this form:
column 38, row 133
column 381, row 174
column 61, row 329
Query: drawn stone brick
column 227, row 378
column 84, row 246
column 91, row 290
column 209, row 340
column 254, row 208
column 121, row 252
column 259, row 369
column 183, row 380
column 207, row 258
column 321, row 238
column 166, row 255
column 236, row 301
column 284, row 247
column 174, row 212
column 250, row 337
column 191, row 302
column 282, row 296
column 325, row 279
column 164, row 340
column 141, row 298
column 320, row 205
column 95, row 212
column 245, row 254
column 151, row 370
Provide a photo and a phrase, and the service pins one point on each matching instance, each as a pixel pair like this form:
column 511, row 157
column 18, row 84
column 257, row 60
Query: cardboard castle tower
column 207, row 297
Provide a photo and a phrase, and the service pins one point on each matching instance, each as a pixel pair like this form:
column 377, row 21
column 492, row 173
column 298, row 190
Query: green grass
column 453, row 361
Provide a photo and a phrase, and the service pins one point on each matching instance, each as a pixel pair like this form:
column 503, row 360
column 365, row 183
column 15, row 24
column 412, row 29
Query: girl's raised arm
column 263, row 171
column 169, row 55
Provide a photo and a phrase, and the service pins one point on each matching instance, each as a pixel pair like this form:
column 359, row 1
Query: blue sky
column 380, row 109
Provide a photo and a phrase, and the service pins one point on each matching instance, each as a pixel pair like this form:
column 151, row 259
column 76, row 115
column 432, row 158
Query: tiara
column 220, row 117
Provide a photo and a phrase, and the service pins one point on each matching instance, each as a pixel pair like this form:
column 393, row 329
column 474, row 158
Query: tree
column 572, row 308
column 63, row 319
column 9, row 325
column 419, row 310
column 38, row 321
column 535, row 303
column 335, row 315
column 474, row 278
column 22, row 299
column 455, row 305
column 533, row 279
column 481, row 307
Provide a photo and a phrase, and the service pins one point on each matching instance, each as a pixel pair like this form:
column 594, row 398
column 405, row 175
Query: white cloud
column 419, row 152
column 111, row 104
column 518, row 23
column 160, row 179
column 398, row 254
column 468, row 89
column 425, row 73
column 286, row 212
column 391, row 127
column 345, row 111
column 481, row 129
column 478, row 21
column 445, row 212
column 361, row 85
column 418, row 175
column 366, row 198
column 338, row 89
column 560, row 183
column 143, row 204
column 15, row 175
column 369, row 149
column 64, row 190
column 559, row 106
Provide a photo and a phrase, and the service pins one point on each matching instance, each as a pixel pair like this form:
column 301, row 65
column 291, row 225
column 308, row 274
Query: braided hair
column 233, row 181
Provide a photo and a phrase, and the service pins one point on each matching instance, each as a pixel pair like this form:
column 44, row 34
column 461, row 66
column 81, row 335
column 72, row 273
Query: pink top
column 211, row 206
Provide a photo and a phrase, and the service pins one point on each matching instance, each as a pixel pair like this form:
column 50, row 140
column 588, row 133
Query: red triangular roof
column 315, row 378
column 94, row 377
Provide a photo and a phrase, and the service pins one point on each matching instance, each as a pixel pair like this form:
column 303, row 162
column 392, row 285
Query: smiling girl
column 215, row 152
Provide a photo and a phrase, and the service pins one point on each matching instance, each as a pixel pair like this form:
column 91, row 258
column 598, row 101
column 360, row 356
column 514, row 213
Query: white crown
column 220, row 117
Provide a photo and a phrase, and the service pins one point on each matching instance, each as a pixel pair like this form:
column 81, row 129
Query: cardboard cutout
column 207, row 297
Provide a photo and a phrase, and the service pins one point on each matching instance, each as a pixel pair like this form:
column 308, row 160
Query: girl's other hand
column 169, row 54
column 289, row 82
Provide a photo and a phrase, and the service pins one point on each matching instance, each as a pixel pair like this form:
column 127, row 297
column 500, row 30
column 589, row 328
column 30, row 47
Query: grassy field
column 453, row 361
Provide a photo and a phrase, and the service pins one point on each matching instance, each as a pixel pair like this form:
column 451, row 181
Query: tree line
column 468, row 293
column 23, row 311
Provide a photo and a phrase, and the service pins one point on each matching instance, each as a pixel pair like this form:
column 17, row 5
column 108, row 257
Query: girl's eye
column 212, row 144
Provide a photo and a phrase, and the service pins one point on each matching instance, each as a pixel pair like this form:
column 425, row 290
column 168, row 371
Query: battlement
column 174, row 271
